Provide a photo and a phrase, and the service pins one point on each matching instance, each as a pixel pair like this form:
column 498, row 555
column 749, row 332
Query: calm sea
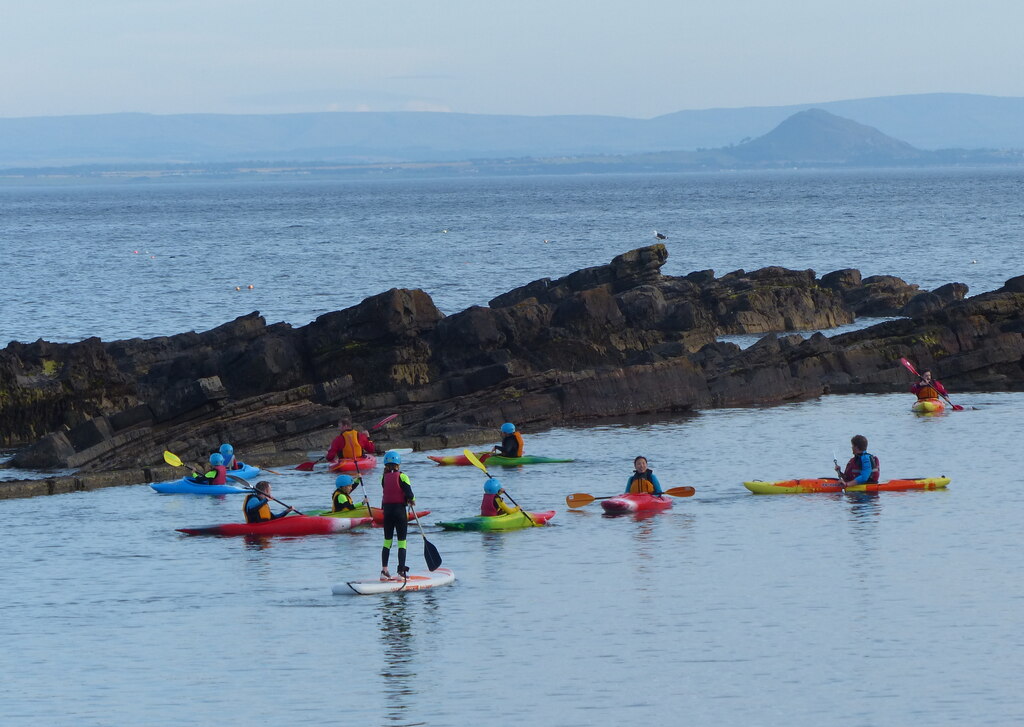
column 730, row 609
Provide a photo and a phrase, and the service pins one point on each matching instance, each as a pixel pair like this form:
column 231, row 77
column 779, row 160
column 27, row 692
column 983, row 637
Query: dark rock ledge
column 608, row 341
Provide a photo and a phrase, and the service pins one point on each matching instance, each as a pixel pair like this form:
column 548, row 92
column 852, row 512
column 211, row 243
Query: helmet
column 508, row 428
column 392, row 457
column 343, row 481
column 216, row 459
column 492, row 486
column 227, row 450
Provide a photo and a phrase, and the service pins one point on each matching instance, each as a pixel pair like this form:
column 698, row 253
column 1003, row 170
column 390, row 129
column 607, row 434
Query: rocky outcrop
column 611, row 340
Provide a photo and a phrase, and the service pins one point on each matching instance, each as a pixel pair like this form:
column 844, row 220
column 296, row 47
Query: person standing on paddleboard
column 398, row 497
column 863, row 467
column 511, row 443
column 257, row 505
column 643, row 479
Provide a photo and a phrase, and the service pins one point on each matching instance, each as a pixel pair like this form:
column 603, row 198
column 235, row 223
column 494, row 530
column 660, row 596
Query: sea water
column 731, row 608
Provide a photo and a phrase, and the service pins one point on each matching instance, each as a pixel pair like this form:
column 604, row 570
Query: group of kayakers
column 222, row 462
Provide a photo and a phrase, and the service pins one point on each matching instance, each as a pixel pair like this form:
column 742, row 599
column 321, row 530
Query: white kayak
column 415, row 582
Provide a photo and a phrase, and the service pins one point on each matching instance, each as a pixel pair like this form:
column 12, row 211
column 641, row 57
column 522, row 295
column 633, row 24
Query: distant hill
column 818, row 137
column 929, row 121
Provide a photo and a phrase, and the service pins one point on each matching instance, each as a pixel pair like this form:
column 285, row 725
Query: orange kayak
column 822, row 484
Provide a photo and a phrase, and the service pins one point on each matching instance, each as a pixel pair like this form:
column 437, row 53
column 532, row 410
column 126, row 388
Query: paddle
column 430, row 554
column 175, row 461
column 581, row 499
column 308, row 466
column 910, row 367
column 480, row 466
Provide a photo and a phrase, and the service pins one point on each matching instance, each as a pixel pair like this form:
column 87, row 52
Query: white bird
column 660, row 236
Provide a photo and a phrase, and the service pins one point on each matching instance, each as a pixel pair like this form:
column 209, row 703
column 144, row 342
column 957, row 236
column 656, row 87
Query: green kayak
column 511, row 521
column 526, row 459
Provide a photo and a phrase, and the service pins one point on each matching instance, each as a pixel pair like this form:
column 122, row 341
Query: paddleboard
column 415, row 582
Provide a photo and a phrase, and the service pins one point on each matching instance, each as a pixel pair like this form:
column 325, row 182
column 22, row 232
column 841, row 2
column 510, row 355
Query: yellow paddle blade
column 172, row 459
column 579, row 499
column 476, row 463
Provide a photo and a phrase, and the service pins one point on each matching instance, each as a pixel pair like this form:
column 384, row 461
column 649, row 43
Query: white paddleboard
column 415, row 582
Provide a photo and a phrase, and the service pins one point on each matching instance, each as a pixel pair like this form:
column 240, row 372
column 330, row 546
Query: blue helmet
column 392, row 457
column 216, row 459
column 343, row 481
column 508, row 428
column 492, row 486
column 227, row 451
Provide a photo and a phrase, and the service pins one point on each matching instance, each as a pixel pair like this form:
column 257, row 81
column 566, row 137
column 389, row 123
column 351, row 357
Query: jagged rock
column 611, row 340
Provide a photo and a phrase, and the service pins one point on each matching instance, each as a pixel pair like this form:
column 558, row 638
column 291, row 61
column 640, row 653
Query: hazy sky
column 638, row 58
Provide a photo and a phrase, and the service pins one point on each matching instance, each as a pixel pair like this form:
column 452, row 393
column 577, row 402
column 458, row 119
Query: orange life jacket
column 641, row 482
column 352, row 448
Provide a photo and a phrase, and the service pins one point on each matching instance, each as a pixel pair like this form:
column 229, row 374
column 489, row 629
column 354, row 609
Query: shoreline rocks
column 607, row 341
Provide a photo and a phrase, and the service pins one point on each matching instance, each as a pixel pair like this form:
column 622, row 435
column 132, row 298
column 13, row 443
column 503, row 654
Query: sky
column 639, row 59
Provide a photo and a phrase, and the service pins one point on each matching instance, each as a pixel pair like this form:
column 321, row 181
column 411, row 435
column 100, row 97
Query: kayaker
column 492, row 504
column 643, row 479
column 863, row 467
column 228, row 453
column 257, row 505
column 349, row 444
column 341, row 499
column 927, row 387
column 217, row 475
column 511, row 442
column 397, row 497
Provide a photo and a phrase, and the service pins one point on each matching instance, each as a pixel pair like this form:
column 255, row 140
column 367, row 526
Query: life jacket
column 512, row 445
column 854, row 468
column 221, row 478
column 260, row 514
column 392, row 484
column 488, row 507
column 925, row 391
column 641, row 482
column 352, row 448
column 340, row 501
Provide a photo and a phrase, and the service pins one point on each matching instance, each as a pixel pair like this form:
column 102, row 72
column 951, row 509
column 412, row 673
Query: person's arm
column 940, row 388
column 504, row 506
column 407, row 490
column 336, row 446
column 657, row 485
column 629, row 484
column 365, row 443
column 865, row 469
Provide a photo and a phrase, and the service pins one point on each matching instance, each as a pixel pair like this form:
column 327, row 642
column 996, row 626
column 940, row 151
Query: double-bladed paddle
column 175, row 461
column 308, row 466
column 581, row 499
column 910, row 367
column 480, row 465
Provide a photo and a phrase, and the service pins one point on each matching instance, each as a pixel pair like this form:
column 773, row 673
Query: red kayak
column 290, row 525
column 364, row 463
column 636, row 502
column 458, row 459
column 360, row 512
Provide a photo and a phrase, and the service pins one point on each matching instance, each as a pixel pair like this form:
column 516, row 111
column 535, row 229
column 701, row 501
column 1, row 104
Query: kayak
column 362, row 464
column 290, row 525
column 458, row 459
column 832, row 485
column 415, row 582
column 928, row 406
column 187, row 486
column 506, row 521
column 636, row 502
column 376, row 513
column 246, row 471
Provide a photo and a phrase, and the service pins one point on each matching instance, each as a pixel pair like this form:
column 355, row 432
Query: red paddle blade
column 909, row 367
column 382, row 422
column 306, row 466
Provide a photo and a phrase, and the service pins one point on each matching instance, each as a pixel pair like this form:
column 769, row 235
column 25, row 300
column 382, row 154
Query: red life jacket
column 392, row 484
column 853, row 468
column 487, row 506
column 222, row 475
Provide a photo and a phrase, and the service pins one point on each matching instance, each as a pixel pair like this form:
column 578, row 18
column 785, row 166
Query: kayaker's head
column 640, row 464
column 344, row 483
column 392, row 460
column 508, row 428
column 492, row 486
column 263, row 487
column 227, row 451
column 926, row 376
column 859, row 443
column 217, row 459
column 344, row 425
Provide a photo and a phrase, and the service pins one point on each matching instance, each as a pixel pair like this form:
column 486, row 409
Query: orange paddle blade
column 579, row 499
column 680, row 491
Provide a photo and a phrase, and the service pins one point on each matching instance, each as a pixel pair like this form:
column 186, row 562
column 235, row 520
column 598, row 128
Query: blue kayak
column 187, row 486
column 247, row 471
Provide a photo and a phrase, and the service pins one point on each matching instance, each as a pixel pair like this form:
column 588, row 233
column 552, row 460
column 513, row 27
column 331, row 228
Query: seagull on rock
column 660, row 236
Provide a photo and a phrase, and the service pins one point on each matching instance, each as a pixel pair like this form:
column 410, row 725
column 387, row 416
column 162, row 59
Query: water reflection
column 397, row 621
